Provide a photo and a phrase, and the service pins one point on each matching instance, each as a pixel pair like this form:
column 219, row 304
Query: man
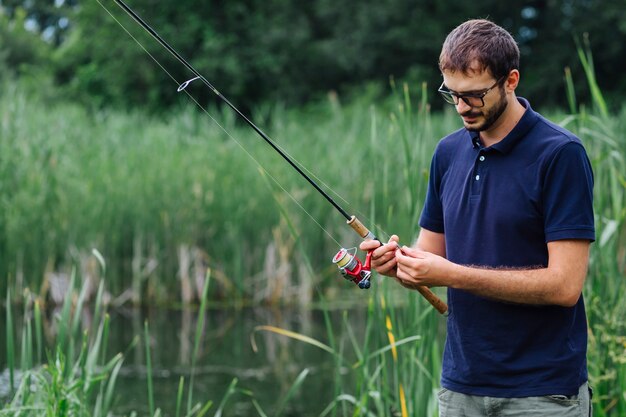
column 506, row 226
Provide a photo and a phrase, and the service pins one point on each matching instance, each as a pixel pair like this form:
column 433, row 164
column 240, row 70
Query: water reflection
column 224, row 354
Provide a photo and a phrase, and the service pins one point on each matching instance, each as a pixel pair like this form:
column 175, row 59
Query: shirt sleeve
column 432, row 213
column 568, row 195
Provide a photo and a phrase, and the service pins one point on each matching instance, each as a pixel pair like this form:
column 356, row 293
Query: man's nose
column 462, row 106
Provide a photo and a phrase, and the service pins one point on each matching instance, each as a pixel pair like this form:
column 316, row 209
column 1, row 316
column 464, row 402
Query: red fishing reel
column 352, row 269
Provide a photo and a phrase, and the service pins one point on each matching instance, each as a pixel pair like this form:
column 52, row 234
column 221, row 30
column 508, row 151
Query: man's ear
column 511, row 82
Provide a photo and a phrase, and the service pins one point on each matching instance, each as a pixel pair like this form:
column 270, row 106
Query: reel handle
column 426, row 292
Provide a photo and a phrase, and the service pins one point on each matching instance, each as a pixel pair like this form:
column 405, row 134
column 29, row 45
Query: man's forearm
column 560, row 283
column 541, row 286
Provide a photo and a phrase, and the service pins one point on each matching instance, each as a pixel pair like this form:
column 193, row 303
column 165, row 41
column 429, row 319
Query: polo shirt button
column 482, row 158
column 477, row 177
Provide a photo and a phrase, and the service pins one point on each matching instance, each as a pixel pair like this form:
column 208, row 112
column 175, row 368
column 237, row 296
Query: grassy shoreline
column 164, row 199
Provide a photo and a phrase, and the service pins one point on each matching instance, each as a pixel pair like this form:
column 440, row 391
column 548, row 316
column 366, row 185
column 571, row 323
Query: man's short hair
column 483, row 42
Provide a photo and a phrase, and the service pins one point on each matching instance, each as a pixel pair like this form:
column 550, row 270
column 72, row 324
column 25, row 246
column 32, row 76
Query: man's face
column 477, row 118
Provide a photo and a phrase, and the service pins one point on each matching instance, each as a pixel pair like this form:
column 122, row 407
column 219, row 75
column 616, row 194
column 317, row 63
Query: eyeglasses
column 475, row 99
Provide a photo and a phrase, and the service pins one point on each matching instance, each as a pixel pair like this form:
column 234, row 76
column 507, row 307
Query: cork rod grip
column 359, row 228
column 432, row 298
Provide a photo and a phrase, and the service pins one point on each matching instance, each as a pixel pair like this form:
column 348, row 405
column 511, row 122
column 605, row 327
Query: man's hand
column 383, row 256
column 417, row 267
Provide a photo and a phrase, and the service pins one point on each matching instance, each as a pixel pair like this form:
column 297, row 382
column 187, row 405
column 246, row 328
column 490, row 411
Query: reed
column 198, row 339
column 10, row 341
column 149, row 369
column 605, row 287
column 390, row 368
column 77, row 379
column 138, row 187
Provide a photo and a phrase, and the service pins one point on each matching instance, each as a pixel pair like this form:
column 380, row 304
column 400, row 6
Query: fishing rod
column 347, row 262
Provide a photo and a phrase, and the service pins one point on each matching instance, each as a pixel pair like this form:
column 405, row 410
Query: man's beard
column 490, row 117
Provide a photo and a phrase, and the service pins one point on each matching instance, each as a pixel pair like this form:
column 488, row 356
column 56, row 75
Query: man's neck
column 505, row 123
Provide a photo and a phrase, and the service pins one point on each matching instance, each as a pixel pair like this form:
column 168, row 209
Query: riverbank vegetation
column 167, row 196
column 165, row 199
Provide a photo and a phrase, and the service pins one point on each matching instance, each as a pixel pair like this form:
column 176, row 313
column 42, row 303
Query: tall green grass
column 163, row 198
column 78, row 379
column 605, row 289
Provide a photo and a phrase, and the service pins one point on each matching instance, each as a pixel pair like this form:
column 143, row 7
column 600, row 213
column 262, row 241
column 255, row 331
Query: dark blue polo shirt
column 498, row 207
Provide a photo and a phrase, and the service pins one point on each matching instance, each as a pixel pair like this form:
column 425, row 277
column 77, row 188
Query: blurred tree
column 100, row 64
column 20, row 48
column 48, row 17
column 548, row 34
column 270, row 50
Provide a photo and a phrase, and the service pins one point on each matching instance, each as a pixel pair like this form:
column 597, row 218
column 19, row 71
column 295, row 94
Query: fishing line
column 182, row 87
column 350, row 267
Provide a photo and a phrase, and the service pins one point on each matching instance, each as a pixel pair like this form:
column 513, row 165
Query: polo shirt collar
column 520, row 130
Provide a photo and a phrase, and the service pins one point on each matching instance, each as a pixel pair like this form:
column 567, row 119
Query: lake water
column 226, row 353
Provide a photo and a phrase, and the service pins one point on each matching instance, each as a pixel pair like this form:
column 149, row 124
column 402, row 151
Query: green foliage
column 140, row 189
column 146, row 190
column 387, row 360
column 605, row 289
column 22, row 53
column 45, row 17
column 73, row 382
column 267, row 51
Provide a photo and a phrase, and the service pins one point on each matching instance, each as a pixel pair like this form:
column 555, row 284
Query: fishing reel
column 352, row 269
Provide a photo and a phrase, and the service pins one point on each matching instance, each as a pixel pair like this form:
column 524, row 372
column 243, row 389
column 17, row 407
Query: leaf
column 608, row 231
column 292, row 335
column 390, row 347
column 292, row 390
column 229, row 392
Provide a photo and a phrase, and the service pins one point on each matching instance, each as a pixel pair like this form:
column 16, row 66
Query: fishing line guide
column 349, row 265
column 186, row 83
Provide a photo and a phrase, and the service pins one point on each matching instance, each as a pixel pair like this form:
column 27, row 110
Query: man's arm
column 431, row 242
column 560, row 283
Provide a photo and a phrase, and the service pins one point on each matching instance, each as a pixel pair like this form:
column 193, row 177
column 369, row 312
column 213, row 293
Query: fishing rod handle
column 430, row 296
column 358, row 227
